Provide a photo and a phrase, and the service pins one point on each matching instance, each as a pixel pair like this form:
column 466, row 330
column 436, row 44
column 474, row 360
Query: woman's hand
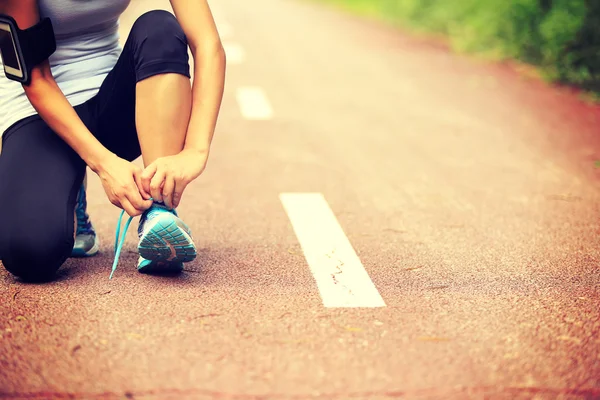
column 167, row 177
column 123, row 185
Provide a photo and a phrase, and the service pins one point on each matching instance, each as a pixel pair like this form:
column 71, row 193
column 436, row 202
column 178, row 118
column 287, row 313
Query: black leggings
column 40, row 174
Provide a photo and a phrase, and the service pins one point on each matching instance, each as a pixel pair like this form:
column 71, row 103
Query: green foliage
column 561, row 36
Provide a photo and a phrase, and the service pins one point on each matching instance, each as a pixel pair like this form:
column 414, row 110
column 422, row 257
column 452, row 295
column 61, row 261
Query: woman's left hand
column 167, row 177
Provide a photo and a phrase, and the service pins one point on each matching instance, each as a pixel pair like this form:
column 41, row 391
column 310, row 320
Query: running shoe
column 87, row 243
column 165, row 241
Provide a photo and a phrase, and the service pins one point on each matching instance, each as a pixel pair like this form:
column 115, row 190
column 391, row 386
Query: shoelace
column 119, row 242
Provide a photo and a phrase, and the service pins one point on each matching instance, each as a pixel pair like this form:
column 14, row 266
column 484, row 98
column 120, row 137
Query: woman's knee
column 158, row 37
column 35, row 254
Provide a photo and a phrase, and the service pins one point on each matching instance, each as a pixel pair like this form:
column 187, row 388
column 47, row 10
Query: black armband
column 21, row 50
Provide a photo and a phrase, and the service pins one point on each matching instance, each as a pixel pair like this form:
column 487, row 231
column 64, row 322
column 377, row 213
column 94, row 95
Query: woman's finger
column 129, row 209
column 178, row 192
column 135, row 199
column 147, row 176
column 137, row 175
column 167, row 191
column 156, row 185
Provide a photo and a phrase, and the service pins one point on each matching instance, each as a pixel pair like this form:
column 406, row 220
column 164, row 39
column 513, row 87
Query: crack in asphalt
column 338, row 271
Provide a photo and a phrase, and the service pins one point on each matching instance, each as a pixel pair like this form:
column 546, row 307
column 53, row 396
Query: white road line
column 340, row 276
column 235, row 53
column 254, row 104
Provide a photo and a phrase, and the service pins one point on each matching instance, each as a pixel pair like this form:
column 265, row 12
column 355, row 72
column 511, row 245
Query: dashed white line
column 235, row 53
column 341, row 278
column 254, row 104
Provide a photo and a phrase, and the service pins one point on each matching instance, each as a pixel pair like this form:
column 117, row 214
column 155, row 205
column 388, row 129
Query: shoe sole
column 163, row 267
column 166, row 240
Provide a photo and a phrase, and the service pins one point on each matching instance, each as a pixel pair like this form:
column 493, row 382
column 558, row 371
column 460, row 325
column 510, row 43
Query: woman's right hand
column 123, row 186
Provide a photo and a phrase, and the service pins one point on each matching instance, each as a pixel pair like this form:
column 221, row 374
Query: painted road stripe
column 340, row 276
column 234, row 52
column 254, row 104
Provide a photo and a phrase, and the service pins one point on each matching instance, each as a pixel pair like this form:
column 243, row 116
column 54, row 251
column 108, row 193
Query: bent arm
column 198, row 24
column 47, row 98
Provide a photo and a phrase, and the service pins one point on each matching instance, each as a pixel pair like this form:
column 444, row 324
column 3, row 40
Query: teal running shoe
column 87, row 243
column 165, row 237
column 165, row 241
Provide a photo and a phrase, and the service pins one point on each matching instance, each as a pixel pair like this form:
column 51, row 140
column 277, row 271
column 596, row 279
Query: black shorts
column 40, row 174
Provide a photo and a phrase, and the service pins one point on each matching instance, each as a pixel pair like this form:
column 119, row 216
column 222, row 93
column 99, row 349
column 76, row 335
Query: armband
column 21, row 50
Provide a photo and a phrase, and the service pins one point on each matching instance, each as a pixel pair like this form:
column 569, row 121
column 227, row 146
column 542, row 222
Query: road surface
column 380, row 219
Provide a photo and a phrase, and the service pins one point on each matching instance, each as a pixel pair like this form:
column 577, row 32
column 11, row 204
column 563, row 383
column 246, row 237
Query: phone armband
column 22, row 50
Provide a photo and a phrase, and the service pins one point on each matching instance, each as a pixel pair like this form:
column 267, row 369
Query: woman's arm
column 197, row 22
column 47, row 98
column 118, row 176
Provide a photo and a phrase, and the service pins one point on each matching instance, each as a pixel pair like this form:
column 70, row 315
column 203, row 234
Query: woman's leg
column 144, row 107
column 163, row 101
column 144, row 104
column 39, row 178
column 163, row 104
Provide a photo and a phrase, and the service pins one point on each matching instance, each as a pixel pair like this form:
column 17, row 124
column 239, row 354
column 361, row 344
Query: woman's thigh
column 39, row 178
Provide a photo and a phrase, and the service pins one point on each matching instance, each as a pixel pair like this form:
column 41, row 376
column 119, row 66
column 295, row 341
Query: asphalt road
column 468, row 192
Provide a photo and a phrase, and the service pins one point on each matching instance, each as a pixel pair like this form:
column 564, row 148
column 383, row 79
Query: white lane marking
column 341, row 278
column 254, row 104
column 234, row 52
column 225, row 30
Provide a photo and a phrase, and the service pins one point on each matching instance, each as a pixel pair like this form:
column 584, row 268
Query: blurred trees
column 562, row 36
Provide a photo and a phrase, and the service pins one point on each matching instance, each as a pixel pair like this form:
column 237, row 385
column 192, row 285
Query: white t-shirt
column 87, row 48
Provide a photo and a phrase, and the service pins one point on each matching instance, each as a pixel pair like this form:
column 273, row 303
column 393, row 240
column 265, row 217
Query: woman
column 93, row 103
